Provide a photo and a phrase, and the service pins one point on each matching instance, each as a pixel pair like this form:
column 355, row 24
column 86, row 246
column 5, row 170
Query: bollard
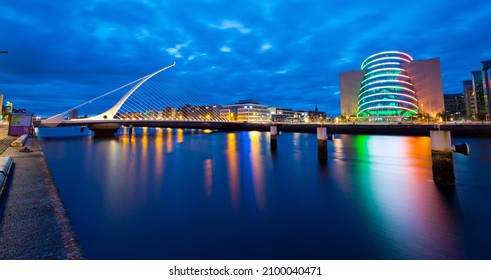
column 19, row 142
column 441, row 158
column 322, row 143
column 461, row 149
column 274, row 136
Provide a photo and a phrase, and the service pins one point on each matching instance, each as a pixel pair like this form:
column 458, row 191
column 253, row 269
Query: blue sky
column 281, row 53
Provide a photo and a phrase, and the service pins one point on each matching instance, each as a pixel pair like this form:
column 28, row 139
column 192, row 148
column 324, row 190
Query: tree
column 481, row 116
column 442, row 116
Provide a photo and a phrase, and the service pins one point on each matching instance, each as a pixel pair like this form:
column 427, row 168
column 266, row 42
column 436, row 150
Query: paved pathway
column 33, row 221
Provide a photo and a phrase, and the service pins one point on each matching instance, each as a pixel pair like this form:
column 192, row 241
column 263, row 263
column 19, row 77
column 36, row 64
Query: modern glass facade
column 386, row 89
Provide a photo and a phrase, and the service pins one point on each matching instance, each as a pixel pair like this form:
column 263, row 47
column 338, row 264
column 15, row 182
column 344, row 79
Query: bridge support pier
column 441, row 158
column 273, row 137
column 322, row 143
column 104, row 129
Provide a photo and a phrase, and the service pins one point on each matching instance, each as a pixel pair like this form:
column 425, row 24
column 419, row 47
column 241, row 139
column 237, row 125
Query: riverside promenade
column 33, row 222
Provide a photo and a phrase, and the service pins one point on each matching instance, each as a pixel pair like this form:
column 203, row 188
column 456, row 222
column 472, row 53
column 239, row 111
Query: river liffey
column 190, row 194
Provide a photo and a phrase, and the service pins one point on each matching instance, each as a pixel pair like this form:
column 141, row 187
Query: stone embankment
column 33, row 221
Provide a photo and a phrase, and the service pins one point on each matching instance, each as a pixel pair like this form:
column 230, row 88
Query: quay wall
column 33, row 222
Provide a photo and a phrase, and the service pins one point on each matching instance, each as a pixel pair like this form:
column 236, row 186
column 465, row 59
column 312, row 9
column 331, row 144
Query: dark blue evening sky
column 282, row 53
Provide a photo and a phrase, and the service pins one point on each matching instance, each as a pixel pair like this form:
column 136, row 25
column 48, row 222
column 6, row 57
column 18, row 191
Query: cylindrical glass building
column 386, row 90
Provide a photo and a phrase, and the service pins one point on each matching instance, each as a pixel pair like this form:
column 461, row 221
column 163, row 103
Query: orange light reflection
column 257, row 169
column 144, row 160
column 159, row 164
column 233, row 170
column 180, row 135
column 407, row 200
column 169, row 140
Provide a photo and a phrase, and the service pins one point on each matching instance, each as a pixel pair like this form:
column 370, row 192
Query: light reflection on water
column 179, row 194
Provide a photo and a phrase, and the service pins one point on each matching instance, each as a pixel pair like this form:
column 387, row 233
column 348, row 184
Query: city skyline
column 286, row 54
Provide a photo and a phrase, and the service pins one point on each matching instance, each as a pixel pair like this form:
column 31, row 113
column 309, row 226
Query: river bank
column 33, row 221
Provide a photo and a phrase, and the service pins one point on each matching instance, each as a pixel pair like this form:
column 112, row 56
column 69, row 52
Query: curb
column 5, row 166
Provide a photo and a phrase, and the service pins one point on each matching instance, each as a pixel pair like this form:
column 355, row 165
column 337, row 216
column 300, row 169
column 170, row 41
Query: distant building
column 251, row 111
column 202, row 112
column 316, row 115
column 246, row 110
column 477, row 92
column 288, row 115
column 391, row 85
column 455, row 106
column 481, row 98
column 169, row 113
column 73, row 114
column 486, row 65
column 469, row 99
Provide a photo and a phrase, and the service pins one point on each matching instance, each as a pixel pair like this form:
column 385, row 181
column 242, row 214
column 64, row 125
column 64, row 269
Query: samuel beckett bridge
column 164, row 100
column 155, row 100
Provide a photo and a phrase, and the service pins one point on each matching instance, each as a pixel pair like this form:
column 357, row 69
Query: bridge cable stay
column 58, row 118
column 162, row 95
column 167, row 97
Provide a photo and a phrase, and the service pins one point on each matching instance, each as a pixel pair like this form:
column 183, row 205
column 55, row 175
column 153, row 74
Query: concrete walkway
column 33, row 221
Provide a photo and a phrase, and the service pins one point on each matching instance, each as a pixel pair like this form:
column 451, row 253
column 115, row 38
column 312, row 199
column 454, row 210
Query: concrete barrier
column 5, row 166
column 20, row 141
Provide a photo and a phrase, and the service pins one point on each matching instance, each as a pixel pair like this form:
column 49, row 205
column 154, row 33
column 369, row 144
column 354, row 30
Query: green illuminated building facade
column 391, row 85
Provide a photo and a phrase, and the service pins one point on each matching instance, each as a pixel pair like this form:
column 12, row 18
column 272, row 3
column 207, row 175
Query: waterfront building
column 316, row 115
column 246, row 110
column 487, row 82
column 477, row 86
column 477, row 92
column 392, row 85
column 227, row 113
column 73, row 114
column 455, row 107
column 300, row 116
column 469, row 99
column 202, row 112
column 288, row 115
column 169, row 112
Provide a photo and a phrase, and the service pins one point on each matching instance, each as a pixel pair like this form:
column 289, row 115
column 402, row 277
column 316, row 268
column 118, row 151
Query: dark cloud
column 281, row 53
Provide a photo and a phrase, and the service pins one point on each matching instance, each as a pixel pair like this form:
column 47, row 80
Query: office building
column 455, row 107
column 486, row 76
column 246, row 110
column 469, row 99
column 477, row 92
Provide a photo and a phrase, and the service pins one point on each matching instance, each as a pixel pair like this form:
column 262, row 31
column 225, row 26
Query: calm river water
column 182, row 194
